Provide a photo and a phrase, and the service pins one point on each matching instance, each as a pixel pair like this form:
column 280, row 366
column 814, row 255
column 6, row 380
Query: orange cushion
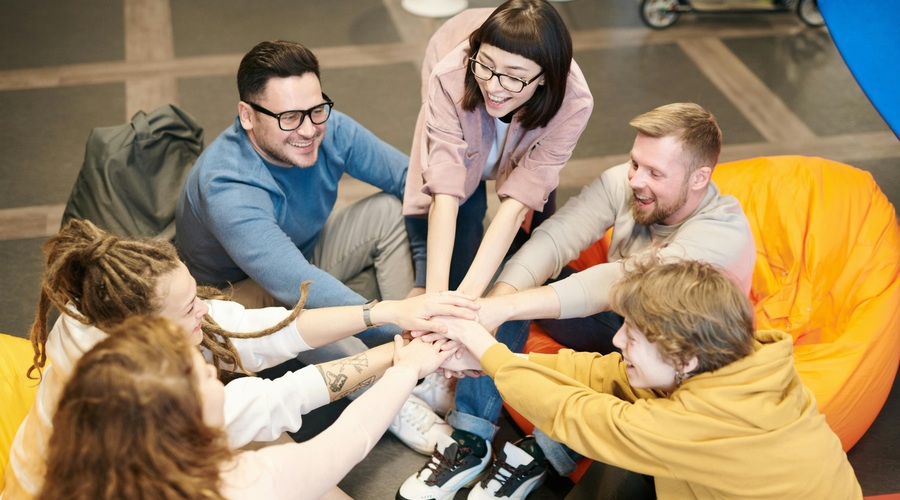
column 827, row 272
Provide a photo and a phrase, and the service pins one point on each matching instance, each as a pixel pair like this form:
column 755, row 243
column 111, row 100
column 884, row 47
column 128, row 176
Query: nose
column 493, row 85
column 636, row 179
column 307, row 128
column 618, row 338
column 202, row 308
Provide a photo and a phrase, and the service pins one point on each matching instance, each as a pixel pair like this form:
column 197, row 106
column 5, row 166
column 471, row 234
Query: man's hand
column 416, row 313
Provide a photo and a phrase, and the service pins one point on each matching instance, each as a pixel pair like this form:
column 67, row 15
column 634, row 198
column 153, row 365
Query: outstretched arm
column 534, row 303
column 327, row 457
column 323, row 326
column 494, row 246
column 441, row 238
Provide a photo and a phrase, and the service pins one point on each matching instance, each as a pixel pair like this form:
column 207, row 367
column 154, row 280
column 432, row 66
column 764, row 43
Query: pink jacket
column 451, row 145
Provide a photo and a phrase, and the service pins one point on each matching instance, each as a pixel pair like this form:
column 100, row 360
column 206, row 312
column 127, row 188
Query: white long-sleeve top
column 255, row 409
column 308, row 470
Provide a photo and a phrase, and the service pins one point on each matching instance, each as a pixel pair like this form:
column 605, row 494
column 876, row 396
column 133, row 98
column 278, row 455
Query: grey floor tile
column 20, row 269
column 202, row 28
column 628, row 81
column 590, row 14
column 44, row 132
column 384, row 98
column 874, row 458
column 44, row 33
column 886, row 172
column 212, row 101
column 806, row 71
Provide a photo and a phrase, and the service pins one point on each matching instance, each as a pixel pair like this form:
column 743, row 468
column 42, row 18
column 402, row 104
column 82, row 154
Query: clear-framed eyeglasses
column 511, row 83
column 291, row 120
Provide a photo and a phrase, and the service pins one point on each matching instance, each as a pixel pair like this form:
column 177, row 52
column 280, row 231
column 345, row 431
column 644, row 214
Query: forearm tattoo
column 336, row 379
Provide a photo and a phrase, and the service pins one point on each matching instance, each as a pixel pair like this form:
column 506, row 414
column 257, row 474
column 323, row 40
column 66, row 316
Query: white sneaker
column 438, row 391
column 418, row 426
column 449, row 470
column 513, row 475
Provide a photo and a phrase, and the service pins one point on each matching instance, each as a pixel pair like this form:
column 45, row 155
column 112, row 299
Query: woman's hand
column 420, row 356
column 470, row 334
column 463, row 364
column 416, row 313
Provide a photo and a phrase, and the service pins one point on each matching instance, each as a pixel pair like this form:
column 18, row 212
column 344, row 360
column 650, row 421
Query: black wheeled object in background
column 660, row 14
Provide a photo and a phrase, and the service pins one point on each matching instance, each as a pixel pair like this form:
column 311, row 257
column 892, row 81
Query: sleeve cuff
column 572, row 297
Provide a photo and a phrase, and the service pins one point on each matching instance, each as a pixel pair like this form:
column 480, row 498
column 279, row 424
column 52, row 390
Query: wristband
column 367, row 313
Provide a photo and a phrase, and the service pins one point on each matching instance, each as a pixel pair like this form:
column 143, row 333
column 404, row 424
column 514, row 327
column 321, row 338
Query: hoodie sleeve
column 598, row 414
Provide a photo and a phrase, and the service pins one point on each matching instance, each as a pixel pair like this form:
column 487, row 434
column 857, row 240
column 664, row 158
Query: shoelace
column 440, row 463
column 502, row 472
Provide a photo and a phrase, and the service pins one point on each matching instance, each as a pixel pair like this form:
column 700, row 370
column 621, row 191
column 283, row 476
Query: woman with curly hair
column 97, row 280
column 142, row 417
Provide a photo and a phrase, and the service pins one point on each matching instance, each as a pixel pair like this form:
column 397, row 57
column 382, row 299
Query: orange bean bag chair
column 827, row 272
column 17, row 392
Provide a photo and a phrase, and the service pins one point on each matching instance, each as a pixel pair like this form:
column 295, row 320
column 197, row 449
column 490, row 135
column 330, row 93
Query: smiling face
column 644, row 364
column 298, row 148
column 660, row 181
column 177, row 292
column 498, row 101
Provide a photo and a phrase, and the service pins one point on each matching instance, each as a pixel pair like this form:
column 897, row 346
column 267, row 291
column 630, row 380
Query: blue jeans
column 478, row 403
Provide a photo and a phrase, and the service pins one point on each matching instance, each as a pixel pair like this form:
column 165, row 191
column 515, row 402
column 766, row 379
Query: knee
column 386, row 204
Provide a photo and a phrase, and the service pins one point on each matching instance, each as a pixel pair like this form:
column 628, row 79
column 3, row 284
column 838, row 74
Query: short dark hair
column 534, row 30
column 276, row 58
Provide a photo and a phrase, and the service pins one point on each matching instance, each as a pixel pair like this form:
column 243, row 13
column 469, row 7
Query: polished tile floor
column 776, row 86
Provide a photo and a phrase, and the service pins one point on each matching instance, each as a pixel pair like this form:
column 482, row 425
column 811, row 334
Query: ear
column 690, row 365
column 245, row 113
column 700, row 178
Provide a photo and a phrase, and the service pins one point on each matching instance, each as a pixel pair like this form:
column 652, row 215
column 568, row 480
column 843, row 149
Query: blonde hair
column 129, row 423
column 687, row 308
column 695, row 127
column 109, row 279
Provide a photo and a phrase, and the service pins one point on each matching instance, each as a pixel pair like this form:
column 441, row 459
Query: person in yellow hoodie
column 697, row 400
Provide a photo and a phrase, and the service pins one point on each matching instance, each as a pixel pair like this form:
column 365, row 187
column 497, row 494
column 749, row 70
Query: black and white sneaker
column 516, row 472
column 452, row 467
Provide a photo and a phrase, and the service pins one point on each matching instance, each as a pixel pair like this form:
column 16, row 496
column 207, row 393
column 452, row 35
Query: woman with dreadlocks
column 142, row 415
column 97, row 280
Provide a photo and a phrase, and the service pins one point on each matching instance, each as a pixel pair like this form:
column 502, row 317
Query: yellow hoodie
column 747, row 430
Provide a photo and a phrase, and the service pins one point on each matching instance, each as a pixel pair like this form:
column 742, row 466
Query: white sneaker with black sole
column 450, row 469
column 513, row 475
column 418, row 427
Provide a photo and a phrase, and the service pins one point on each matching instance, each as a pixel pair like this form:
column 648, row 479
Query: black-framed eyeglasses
column 511, row 83
column 291, row 120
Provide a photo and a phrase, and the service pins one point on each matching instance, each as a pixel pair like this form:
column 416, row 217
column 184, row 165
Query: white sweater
column 255, row 409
